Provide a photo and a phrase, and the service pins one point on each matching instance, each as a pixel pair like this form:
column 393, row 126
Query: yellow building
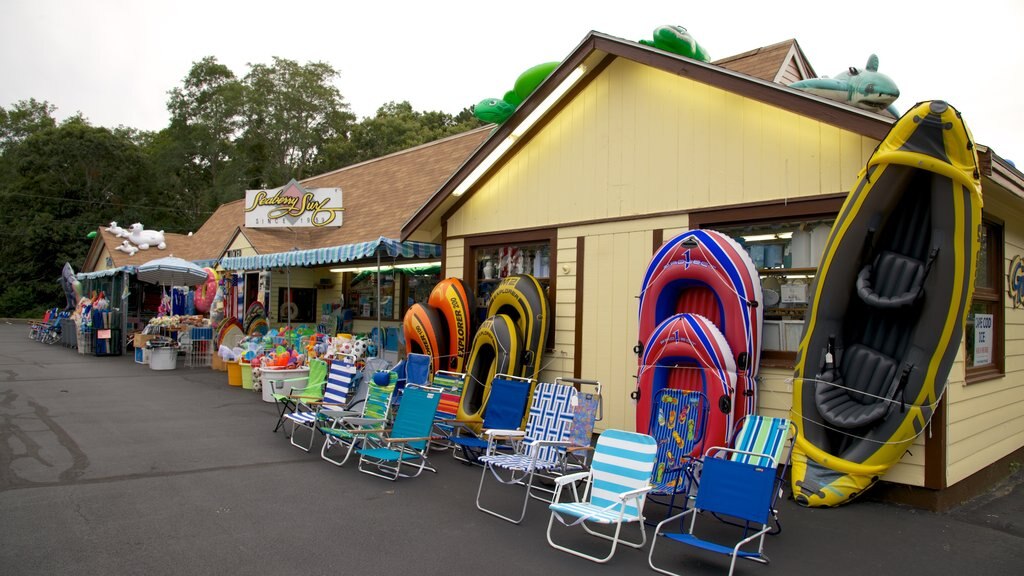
column 625, row 146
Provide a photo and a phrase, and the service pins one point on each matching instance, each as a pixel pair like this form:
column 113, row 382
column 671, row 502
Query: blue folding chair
column 386, row 450
column 739, row 484
column 504, row 410
column 615, row 489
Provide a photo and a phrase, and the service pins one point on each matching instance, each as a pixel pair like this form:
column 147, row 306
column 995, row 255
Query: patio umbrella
column 171, row 271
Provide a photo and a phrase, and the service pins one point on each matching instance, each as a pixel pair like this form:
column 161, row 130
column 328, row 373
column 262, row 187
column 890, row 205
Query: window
column 361, row 297
column 296, row 305
column 491, row 258
column 983, row 333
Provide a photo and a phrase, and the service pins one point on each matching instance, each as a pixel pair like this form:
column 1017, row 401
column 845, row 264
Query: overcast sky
column 115, row 60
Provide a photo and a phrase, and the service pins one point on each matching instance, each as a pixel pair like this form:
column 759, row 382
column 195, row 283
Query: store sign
column 1015, row 281
column 983, row 339
column 293, row 205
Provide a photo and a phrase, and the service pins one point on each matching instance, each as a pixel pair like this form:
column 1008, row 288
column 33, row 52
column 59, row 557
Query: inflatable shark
column 868, row 89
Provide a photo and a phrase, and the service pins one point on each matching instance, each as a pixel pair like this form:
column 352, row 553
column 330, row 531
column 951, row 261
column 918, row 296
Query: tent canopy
column 334, row 254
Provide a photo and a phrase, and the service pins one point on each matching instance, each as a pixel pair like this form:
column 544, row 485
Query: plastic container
column 272, row 381
column 163, row 358
column 142, row 355
column 246, row 376
column 234, row 373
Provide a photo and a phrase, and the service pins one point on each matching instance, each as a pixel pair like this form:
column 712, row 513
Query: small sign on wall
column 983, row 339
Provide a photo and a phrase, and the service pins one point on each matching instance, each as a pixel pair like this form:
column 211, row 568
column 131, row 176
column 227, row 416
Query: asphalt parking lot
column 108, row 467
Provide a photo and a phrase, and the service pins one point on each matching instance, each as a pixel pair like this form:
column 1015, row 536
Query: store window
column 492, row 258
column 362, row 293
column 297, row 305
column 984, row 331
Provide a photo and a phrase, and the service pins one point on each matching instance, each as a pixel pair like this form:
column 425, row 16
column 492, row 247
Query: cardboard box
column 141, row 339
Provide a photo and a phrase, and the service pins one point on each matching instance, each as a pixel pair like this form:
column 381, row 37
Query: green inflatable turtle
column 497, row 110
column 677, row 40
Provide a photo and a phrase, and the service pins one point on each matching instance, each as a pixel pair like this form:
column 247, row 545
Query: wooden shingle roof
column 771, row 63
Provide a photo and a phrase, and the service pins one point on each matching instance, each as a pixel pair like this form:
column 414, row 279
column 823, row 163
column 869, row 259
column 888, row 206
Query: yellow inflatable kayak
column 890, row 299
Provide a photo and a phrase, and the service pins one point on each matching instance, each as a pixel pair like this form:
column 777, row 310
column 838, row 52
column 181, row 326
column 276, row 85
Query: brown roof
column 766, row 62
column 178, row 245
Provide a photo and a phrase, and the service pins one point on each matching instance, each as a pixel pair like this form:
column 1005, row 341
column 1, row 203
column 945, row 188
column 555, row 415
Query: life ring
column 687, row 352
column 496, row 349
column 523, row 299
column 288, row 310
column 453, row 298
column 424, row 331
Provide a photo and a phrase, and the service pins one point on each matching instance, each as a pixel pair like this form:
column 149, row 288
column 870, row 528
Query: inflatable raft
column 453, row 298
column 497, row 349
column 425, row 333
column 687, row 352
column 890, row 300
column 707, row 273
column 523, row 299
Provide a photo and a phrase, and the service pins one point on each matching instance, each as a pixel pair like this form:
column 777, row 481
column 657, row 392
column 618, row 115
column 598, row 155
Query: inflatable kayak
column 890, row 299
column 424, row 329
column 524, row 300
column 454, row 300
column 497, row 349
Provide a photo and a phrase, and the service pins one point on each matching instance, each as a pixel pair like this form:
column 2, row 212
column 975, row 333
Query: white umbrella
column 171, row 271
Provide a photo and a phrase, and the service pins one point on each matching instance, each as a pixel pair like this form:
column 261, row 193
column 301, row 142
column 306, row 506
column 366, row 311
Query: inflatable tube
column 889, row 305
column 424, row 331
column 453, row 298
column 497, row 349
column 523, row 299
column 687, row 352
column 708, row 273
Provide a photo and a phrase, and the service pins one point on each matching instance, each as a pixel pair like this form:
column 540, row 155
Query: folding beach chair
column 740, row 485
column 678, row 424
column 385, row 450
column 541, row 445
column 615, row 488
column 340, row 430
column 309, row 388
column 309, row 413
column 451, row 385
column 504, row 410
column 586, row 412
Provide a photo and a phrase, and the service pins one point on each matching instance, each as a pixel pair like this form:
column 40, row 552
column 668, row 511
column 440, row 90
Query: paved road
column 107, row 467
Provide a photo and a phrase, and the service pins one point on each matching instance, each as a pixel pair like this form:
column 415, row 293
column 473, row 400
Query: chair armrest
column 370, row 431
column 635, row 493
column 506, row 433
column 546, row 443
column 359, row 421
column 716, row 449
column 407, row 440
column 562, row 480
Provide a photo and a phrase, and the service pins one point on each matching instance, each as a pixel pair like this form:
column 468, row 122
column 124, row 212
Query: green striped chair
column 340, row 434
column 615, row 488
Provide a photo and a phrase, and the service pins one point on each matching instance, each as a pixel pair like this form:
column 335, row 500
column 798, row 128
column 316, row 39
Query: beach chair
column 614, row 490
column 504, row 410
column 340, row 430
column 678, row 423
column 542, row 444
column 451, row 385
column 586, row 413
column 309, row 388
column 386, row 450
column 333, row 396
column 739, row 484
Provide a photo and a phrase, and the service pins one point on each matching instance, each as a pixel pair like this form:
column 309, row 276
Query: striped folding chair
column 451, row 385
column 542, row 444
column 342, row 431
column 678, row 421
column 310, row 412
column 739, row 486
column 614, row 490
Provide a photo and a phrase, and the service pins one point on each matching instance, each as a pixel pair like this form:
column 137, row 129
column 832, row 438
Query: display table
column 272, row 381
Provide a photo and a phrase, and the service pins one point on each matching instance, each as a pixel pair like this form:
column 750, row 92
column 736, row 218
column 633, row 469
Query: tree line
column 226, row 134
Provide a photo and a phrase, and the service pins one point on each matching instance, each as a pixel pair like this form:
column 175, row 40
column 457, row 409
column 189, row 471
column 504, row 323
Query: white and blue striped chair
column 311, row 414
column 540, row 447
column 614, row 493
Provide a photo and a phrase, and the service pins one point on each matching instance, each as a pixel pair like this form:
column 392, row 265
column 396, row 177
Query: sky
column 115, row 60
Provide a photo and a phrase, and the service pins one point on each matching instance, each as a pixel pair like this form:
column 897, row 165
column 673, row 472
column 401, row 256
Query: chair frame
column 459, row 426
column 353, row 424
column 315, row 407
column 402, row 446
column 287, row 403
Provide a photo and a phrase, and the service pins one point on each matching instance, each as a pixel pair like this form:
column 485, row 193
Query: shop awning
column 334, row 254
column 105, row 273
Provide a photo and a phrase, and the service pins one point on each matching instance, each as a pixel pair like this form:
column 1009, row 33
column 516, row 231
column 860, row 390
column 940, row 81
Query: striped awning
column 105, row 273
column 334, row 254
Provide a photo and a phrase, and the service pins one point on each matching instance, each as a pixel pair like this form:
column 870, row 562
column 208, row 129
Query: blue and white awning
column 334, row 254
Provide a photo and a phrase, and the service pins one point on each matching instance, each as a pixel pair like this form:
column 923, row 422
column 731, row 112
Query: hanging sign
column 1015, row 282
column 294, row 206
column 982, row 339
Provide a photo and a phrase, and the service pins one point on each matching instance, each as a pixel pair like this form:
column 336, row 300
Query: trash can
column 234, row 373
column 163, row 358
column 246, row 376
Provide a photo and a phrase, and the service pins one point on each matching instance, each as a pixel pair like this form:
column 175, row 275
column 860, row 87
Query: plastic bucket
column 234, row 373
column 163, row 359
column 246, row 376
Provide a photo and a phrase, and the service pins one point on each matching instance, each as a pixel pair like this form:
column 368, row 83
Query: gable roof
column 587, row 60
column 783, row 62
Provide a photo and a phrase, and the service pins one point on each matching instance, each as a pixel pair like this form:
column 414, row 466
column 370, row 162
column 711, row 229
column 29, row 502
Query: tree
column 63, row 182
column 396, row 126
column 26, row 117
column 292, row 114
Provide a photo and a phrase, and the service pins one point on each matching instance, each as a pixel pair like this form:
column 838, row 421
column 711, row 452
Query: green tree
column 26, row 117
column 64, row 182
column 396, row 127
column 292, row 115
